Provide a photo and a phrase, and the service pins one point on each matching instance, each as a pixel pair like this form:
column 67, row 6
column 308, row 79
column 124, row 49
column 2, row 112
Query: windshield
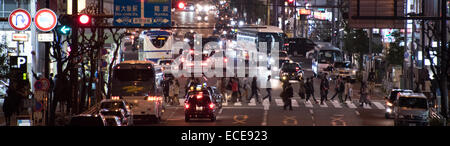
column 133, row 74
column 159, row 41
column 112, row 105
column 204, row 100
column 343, row 65
column 165, row 62
column 330, row 56
column 290, row 67
column 413, row 103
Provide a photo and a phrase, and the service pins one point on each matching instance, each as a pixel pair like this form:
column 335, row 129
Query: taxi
column 200, row 103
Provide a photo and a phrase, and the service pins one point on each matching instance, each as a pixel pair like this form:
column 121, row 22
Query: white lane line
column 324, row 104
column 350, row 104
column 264, row 123
column 294, row 103
column 279, row 102
column 336, row 104
column 225, row 104
column 220, row 111
column 308, row 104
column 379, row 105
column 238, row 104
column 266, row 104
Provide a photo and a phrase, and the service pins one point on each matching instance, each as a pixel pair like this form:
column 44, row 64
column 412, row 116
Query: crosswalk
column 301, row 103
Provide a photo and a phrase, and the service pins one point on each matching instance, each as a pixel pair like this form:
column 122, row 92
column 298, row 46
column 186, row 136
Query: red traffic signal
column 290, row 1
column 84, row 19
column 181, row 5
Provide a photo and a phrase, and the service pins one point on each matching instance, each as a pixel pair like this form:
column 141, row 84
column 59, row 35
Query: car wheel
column 186, row 118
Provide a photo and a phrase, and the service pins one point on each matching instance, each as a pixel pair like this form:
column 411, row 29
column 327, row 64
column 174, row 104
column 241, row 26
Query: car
column 390, row 99
column 299, row 46
column 216, row 95
column 411, row 109
column 345, row 70
column 116, row 112
column 291, row 71
column 112, row 121
column 87, row 120
column 165, row 63
column 113, row 104
column 200, row 103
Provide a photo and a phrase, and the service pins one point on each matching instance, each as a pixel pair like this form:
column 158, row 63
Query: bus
column 139, row 84
column 323, row 57
column 265, row 33
column 157, row 44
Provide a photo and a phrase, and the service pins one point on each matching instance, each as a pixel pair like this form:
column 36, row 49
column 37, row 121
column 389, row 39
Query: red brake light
column 225, row 60
column 191, row 51
column 211, row 105
column 287, row 44
column 200, row 95
column 297, row 68
column 186, row 106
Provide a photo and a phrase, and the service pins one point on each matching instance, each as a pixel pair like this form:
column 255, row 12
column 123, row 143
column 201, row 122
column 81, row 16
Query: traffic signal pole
column 444, row 60
column 74, row 50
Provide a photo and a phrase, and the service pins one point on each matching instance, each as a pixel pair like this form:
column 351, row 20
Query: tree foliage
column 395, row 52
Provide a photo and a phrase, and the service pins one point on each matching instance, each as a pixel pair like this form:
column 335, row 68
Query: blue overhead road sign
column 150, row 13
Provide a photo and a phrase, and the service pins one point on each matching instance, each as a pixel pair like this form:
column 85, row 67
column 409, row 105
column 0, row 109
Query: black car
column 291, row 71
column 299, row 45
column 200, row 104
column 216, row 95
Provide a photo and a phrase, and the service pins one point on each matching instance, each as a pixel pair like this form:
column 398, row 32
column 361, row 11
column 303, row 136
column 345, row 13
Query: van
column 411, row 109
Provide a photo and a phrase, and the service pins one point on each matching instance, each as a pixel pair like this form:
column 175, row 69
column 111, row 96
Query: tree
column 356, row 41
column 396, row 52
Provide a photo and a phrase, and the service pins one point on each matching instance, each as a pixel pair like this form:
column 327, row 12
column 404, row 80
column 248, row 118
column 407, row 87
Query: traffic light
column 65, row 25
column 84, row 20
column 181, row 5
column 291, row 2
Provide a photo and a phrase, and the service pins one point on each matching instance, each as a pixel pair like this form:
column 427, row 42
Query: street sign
column 22, row 37
column 45, row 19
column 19, row 19
column 142, row 13
column 18, row 62
column 45, row 37
column 42, row 84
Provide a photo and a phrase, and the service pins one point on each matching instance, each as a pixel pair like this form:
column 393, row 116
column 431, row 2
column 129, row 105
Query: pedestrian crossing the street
column 302, row 103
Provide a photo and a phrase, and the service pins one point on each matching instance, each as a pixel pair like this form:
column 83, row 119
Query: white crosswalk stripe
column 279, row 102
column 366, row 106
column 238, row 104
column 225, row 104
column 294, row 103
column 181, row 101
column 308, row 104
column 379, row 105
column 336, row 104
column 324, row 104
column 350, row 104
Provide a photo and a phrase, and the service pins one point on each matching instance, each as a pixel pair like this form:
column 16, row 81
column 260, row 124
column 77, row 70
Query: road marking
column 266, row 104
column 240, row 119
column 308, row 104
column 336, row 119
column 279, row 102
column 225, row 104
column 220, row 111
column 365, row 106
column 287, row 120
column 336, row 104
column 294, row 103
column 324, row 104
column 357, row 113
column 311, row 111
column 379, row 105
column 238, row 104
column 242, row 107
column 350, row 104
column 264, row 123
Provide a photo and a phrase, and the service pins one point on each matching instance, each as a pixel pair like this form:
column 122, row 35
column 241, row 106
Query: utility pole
column 268, row 12
column 444, row 60
column 74, row 51
column 99, row 57
column 295, row 18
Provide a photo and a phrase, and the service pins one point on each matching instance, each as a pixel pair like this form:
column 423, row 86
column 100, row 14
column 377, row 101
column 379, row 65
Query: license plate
column 199, row 108
column 412, row 124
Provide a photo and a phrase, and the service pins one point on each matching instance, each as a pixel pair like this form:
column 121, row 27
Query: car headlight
column 388, row 104
column 284, row 78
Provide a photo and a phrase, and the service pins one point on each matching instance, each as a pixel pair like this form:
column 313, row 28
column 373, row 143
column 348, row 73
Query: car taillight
column 297, row 68
column 225, row 60
column 287, row 44
column 211, row 105
column 186, row 106
column 115, row 97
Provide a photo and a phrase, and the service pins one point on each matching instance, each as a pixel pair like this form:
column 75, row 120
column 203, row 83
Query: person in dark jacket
column 309, row 88
column 268, row 89
column 255, row 90
column 302, row 89
column 8, row 104
column 324, row 86
column 288, row 94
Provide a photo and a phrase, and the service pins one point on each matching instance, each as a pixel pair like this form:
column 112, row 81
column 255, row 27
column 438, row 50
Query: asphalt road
column 268, row 113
